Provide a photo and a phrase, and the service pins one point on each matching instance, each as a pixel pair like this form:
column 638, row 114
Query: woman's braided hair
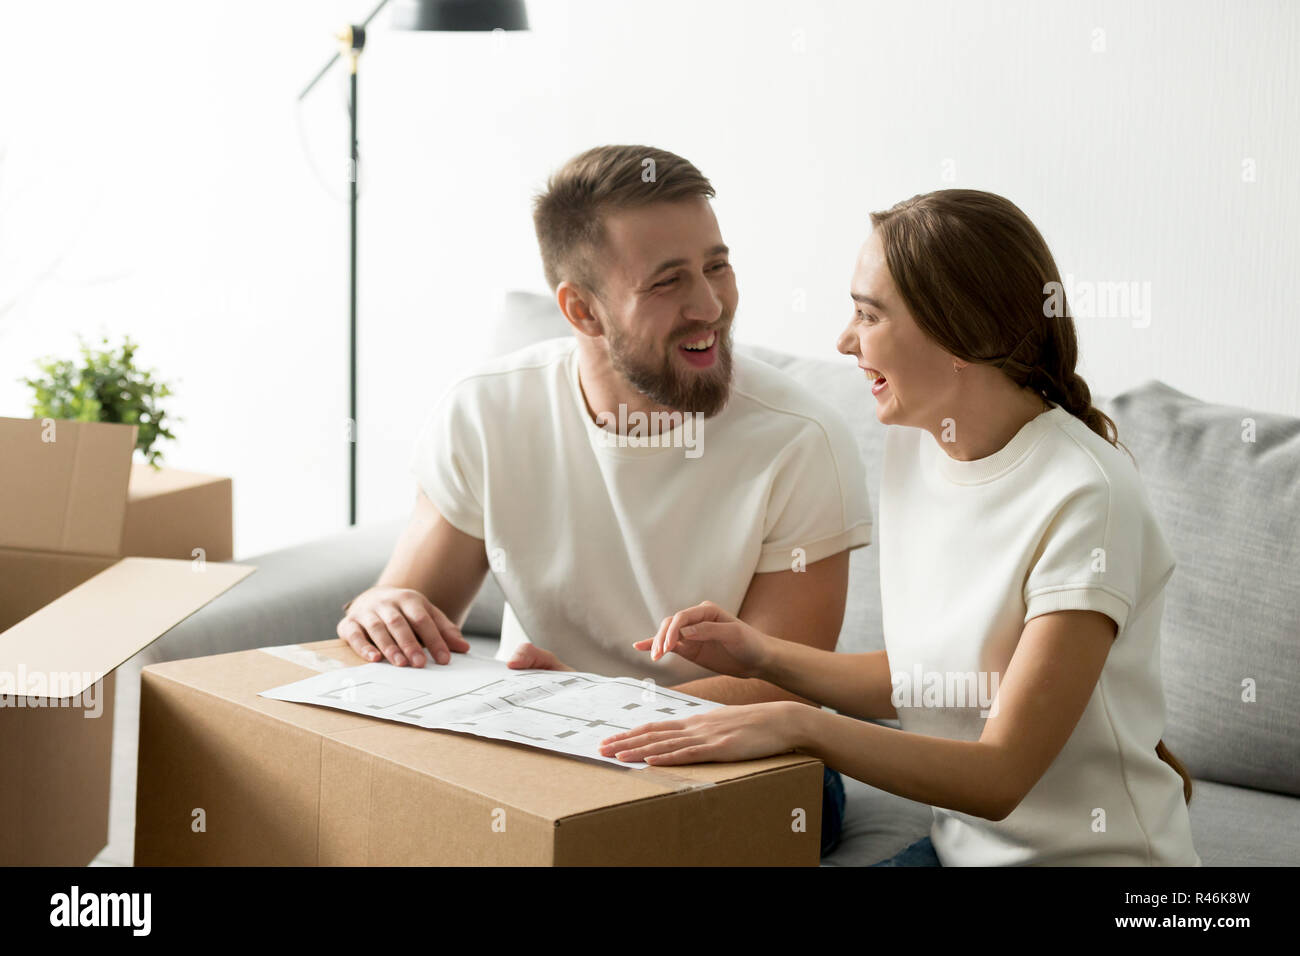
column 976, row 275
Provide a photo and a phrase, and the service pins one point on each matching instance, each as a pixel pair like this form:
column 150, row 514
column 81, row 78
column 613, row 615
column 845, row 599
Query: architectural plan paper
column 569, row 712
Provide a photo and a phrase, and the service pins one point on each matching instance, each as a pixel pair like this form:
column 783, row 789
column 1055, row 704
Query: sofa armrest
column 297, row 595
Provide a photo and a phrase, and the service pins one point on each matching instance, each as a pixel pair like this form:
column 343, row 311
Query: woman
column 1022, row 576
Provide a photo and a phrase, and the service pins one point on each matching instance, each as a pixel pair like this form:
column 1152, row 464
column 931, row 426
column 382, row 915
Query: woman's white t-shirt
column 972, row 550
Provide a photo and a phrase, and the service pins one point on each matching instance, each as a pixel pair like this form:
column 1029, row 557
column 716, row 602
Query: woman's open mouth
column 702, row 351
column 878, row 383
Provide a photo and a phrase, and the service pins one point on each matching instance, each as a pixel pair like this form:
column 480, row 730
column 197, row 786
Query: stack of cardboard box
column 74, row 604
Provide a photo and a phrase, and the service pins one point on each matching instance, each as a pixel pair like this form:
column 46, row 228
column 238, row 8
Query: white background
column 154, row 181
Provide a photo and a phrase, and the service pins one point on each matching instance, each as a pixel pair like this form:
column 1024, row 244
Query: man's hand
column 531, row 657
column 399, row 623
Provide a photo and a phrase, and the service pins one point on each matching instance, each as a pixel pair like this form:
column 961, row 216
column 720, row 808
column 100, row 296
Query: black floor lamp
column 459, row 15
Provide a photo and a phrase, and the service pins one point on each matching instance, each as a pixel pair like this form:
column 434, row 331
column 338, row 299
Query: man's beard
column 656, row 377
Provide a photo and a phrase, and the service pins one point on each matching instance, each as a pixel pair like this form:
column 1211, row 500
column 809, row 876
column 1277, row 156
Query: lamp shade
column 459, row 15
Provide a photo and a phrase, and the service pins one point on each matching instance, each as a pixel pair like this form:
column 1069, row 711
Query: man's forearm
column 736, row 690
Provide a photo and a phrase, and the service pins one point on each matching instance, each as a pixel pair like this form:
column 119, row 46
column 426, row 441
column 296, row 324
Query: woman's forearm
column 960, row 775
column 856, row 684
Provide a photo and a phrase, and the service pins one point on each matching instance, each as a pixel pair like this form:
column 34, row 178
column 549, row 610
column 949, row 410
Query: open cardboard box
column 71, row 611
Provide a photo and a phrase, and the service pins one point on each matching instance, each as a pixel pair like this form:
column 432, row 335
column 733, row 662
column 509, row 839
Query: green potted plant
column 105, row 386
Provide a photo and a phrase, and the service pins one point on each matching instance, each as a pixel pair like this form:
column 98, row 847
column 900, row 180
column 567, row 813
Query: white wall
column 154, row 183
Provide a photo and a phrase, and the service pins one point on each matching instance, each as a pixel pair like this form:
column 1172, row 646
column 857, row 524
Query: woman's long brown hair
column 979, row 280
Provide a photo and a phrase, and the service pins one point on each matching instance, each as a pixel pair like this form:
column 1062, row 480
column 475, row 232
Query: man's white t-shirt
column 594, row 544
column 972, row 550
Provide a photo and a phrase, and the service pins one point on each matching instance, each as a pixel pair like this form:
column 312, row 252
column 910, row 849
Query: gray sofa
column 1231, row 639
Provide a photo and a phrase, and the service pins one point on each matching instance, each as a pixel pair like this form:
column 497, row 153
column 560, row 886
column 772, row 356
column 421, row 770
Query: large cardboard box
column 230, row 778
column 178, row 514
column 70, row 613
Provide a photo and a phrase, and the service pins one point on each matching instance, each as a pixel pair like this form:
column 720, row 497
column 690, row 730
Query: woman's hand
column 707, row 635
column 531, row 657
column 729, row 733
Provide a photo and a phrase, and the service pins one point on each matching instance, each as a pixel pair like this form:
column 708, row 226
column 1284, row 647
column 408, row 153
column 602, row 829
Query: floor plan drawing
column 566, row 711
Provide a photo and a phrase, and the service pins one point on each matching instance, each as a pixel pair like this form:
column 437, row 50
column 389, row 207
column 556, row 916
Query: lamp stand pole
column 356, row 41
column 455, row 15
column 352, row 40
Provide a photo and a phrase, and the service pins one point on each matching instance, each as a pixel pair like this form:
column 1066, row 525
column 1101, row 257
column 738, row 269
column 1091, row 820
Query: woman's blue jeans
column 920, row 853
column 832, row 809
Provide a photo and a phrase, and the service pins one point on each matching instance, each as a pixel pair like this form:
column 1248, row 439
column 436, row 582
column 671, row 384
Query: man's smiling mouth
column 700, row 351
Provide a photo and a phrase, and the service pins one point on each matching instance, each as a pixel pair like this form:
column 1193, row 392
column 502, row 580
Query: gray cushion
column 1231, row 512
column 1236, row 826
column 1231, row 826
column 525, row 318
column 296, row 596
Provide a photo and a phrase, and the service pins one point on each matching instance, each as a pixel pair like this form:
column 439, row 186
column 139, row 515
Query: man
column 610, row 478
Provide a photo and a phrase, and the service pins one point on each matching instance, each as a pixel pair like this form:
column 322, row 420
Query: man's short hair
column 569, row 214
